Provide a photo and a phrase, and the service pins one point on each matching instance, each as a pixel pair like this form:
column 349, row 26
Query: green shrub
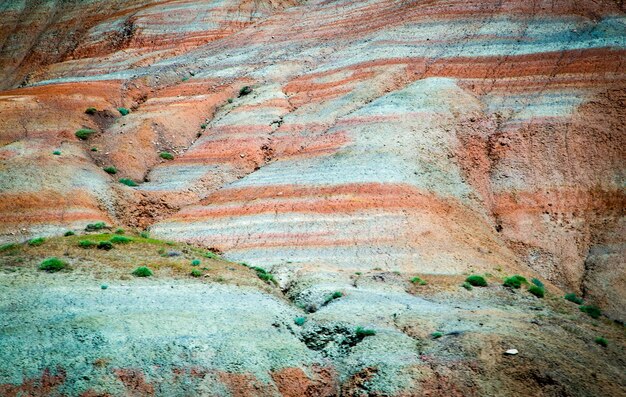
column 142, row 271
column 144, row 234
column 245, row 90
column 94, row 149
column 86, row 243
column 436, row 335
column 363, row 332
column 418, row 281
column 299, row 321
column 69, row 233
column 213, row 255
column 591, row 310
column 52, row 265
column 110, row 170
column 105, row 245
column 123, row 111
column 537, row 282
column 95, row 226
column 8, row 247
column 166, row 155
column 104, row 286
column 203, row 126
column 195, row 262
column 467, row 286
column 185, row 79
column 35, row 242
column 128, row 182
column 476, row 280
column 515, row 281
column 196, row 273
column 57, row 152
column 84, row 133
column 121, row 239
column 91, row 110
column 539, row 292
column 602, row 341
column 573, row 298
column 264, row 275
column 333, row 296
column 119, row 231
column 230, row 100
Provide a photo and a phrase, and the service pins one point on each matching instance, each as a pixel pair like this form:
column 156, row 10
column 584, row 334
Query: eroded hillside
column 342, row 146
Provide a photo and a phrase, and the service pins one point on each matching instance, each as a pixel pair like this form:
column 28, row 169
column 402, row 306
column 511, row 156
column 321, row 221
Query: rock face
column 440, row 137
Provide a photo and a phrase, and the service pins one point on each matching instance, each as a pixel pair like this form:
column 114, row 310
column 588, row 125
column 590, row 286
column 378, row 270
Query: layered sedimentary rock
column 440, row 137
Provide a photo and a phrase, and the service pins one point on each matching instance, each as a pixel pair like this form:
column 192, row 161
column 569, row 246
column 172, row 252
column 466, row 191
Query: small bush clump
column 8, row 246
column 418, row 281
column 264, row 275
column 436, row 335
column 92, row 227
column 105, row 245
column 91, row 110
column 196, row 273
column 573, row 298
column 539, row 292
column 35, row 242
column 213, row 255
column 123, row 111
column 166, row 156
column 195, row 262
column 86, row 244
column 69, row 233
column 245, row 90
column 203, row 126
column 591, row 310
column 602, row 341
column 363, row 332
column 52, row 265
column 121, row 239
column 110, row 170
column 299, row 321
column 144, row 234
column 476, row 280
column 57, row 152
column 119, row 231
column 537, row 282
column 467, row 286
column 515, row 281
column 128, row 182
column 84, row 133
column 333, row 296
column 230, row 100
column 94, row 149
column 142, row 271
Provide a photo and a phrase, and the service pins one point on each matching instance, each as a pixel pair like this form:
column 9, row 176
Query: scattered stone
column 511, row 352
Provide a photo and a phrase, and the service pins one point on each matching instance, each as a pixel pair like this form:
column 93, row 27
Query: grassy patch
column 86, row 244
column 363, row 332
column 110, row 170
column 142, row 271
column 476, row 280
column 539, row 292
column 8, row 247
column 92, row 227
column 537, row 282
column 128, row 182
column 467, row 286
column 84, row 133
column 196, row 273
column 119, row 231
column 35, row 242
column 591, row 310
column 166, row 156
column 123, row 111
column 121, row 239
column 418, row 281
column 573, row 298
column 264, row 275
column 52, row 265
